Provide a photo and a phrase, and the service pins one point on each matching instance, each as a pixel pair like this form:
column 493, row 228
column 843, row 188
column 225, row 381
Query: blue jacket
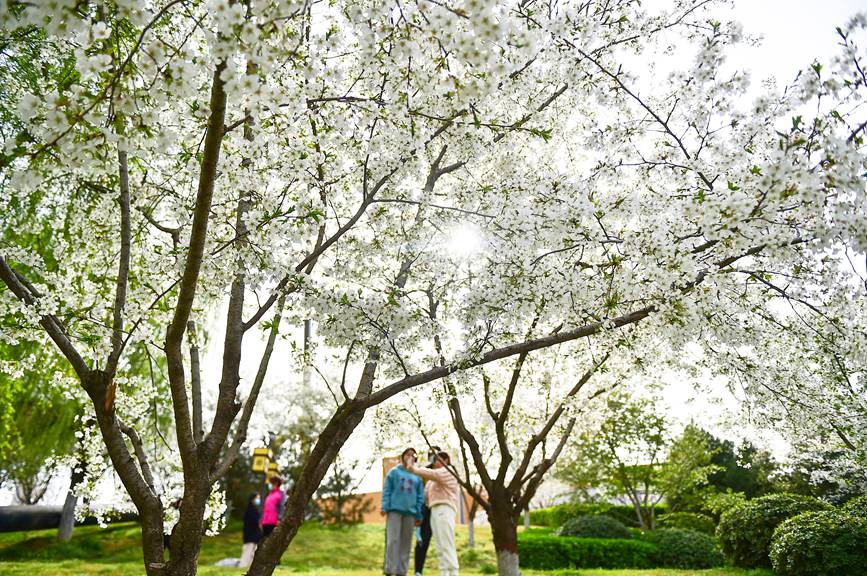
column 403, row 493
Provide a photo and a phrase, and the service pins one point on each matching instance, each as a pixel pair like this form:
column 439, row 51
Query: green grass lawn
column 355, row 551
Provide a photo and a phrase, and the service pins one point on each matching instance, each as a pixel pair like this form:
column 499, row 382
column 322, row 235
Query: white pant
column 247, row 554
column 442, row 524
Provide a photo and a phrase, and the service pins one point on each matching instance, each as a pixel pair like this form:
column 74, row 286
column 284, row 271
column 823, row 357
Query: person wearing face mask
column 442, row 493
column 272, row 511
column 402, row 499
column 252, row 530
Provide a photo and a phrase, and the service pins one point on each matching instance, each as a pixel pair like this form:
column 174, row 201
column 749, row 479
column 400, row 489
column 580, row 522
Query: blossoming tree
column 303, row 160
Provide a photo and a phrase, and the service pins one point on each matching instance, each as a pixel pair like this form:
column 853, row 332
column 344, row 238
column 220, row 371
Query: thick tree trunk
column 504, row 528
column 149, row 507
column 332, row 438
column 186, row 539
column 507, row 563
column 67, row 516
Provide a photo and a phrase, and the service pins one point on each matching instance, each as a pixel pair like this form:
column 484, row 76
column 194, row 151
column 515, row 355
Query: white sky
column 795, row 32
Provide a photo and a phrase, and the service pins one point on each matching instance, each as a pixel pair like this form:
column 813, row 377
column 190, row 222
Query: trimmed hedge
column 594, row 527
column 745, row 531
column 688, row 521
column 554, row 552
column 828, row 543
column 556, row 516
column 684, row 549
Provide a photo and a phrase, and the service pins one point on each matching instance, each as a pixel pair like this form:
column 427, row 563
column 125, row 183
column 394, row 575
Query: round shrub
column 546, row 552
column 745, row 531
column 678, row 548
column 594, row 527
column 688, row 521
column 827, row 543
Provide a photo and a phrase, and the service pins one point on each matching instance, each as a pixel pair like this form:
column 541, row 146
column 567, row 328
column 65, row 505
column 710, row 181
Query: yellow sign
column 261, row 458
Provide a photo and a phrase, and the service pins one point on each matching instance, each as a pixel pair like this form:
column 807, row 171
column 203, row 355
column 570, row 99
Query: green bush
column 856, row 506
column 556, row 516
column 594, row 527
column 745, row 531
column 827, row 543
column 555, row 552
column 552, row 516
column 688, row 521
column 684, row 549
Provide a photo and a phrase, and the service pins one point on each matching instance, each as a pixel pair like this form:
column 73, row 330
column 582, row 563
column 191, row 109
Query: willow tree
column 298, row 160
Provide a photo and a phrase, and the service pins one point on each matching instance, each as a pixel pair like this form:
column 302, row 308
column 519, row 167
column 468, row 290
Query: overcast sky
column 795, row 33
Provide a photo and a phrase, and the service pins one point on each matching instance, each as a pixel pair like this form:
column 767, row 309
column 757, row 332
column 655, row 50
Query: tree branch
column 142, row 458
column 192, row 268
column 117, row 339
column 244, row 422
column 542, row 435
column 53, row 326
column 195, row 381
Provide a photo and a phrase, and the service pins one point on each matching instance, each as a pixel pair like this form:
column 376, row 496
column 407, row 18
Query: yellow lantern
column 272, row 470
column 261, row 458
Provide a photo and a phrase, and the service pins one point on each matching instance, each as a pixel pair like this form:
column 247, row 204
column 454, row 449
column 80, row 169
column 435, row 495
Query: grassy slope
column 327, row 551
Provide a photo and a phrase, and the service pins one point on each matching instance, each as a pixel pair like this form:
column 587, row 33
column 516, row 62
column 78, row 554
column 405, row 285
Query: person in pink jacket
column 442, row 494
column 272, row 511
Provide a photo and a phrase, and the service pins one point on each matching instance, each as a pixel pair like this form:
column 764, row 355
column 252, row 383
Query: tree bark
column 149, row 506
column 186, row 539
column 67, row 516
column 333, row 436
column 504, row 528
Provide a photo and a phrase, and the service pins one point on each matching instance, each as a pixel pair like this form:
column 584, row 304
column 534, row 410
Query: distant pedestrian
column 275, row 503
column 442, row 493
column 402, row 499
column 252, row 529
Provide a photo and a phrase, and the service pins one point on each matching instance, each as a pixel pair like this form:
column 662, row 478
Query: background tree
column 44, row 436
column 39, row 421
column 514, row 441
column 339, row 501
column 631, row 456
column 744, row 469
column 826, row 474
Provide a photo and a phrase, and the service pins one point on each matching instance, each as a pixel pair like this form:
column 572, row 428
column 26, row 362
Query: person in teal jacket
column 402, row 501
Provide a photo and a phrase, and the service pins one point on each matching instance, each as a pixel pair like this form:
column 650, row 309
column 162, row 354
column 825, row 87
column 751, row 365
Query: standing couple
column 408, row 502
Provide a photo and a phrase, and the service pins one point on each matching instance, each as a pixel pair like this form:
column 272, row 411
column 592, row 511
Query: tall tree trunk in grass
column 67, row 515
column 504, row 529
column 504, row 495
